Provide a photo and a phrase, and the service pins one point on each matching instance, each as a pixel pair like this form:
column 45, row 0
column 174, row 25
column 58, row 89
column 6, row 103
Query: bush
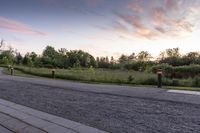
column 150, row 81
column 166, row 68
column 147, row 81
column 175, row 82
column 130, row 79
column 177, row 72
column 196, row 82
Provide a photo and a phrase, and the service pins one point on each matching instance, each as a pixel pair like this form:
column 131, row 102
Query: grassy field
column 17, row 73
column 92, row 75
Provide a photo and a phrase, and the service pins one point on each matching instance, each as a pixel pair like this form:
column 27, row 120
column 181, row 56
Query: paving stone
column 66, row 123
column 7, row 103
column 19, row 115
column 14, row 125
column 4, row 130
column 86, row 129
column 39, row 114
column 4, row 117
column 18, row 107
column 37, row 122
column 31, row 129
column 6, row 109
column 58, row 129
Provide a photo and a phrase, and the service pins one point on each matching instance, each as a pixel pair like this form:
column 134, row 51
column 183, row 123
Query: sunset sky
column 101, row 27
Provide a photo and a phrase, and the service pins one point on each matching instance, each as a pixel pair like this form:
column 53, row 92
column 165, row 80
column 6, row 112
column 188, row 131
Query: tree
column 123, row 58
column 85, row 59
column 1, row 44
column 112, row 60
column 50, row 52
column 132, row 57
column 49, row 57
column 174, row 52
column 62, row 51
column 144, row 56
column 193, row 55
column 7, row 57
column 19, row 58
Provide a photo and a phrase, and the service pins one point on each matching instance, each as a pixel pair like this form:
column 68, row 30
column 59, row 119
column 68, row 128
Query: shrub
column 177, row 72
column 130, row 78
column 175, row 82
column 196, row 82
column 150, row 81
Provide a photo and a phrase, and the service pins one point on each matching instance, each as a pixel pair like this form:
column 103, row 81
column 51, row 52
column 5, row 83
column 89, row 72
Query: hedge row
column 179, row 71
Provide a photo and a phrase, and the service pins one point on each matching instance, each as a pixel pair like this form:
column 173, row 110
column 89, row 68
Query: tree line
column 62, row 58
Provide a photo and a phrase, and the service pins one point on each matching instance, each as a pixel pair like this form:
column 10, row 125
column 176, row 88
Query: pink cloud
column 132, row 20
column 151, row 19
column 140, row 29
column 146, row 33
column 16, row 26
column 162, row 19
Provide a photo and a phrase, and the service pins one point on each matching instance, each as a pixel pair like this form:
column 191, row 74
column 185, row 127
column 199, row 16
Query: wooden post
column 12, row 71
column 53, row 74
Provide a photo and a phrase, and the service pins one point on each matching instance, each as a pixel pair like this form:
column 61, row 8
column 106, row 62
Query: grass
column 91, row 75
column 17, row 73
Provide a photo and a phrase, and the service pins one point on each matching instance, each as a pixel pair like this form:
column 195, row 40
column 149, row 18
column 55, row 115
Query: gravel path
column 113, row 113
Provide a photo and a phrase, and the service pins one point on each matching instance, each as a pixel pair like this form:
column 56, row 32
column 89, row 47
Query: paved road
column 116, row 109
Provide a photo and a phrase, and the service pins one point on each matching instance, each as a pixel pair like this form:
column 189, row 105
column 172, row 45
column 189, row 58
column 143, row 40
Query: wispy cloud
column 135, row 7
column 173, row 4
column 16, row 26
column 138, row 27
column 165, row 21
column 168, row 18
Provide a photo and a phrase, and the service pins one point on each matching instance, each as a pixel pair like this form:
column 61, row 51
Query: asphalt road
column 116, row 109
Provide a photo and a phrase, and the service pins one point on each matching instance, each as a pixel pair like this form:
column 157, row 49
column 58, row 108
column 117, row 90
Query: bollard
column 159, row 79
column 53, row 74
column 12, row 71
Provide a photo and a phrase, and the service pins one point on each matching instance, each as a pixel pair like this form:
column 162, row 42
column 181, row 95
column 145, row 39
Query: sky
column 101, row 27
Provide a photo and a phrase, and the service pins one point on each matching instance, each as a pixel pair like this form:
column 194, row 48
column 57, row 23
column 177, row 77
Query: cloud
column 16, row 26
column 132, row 20
column 167, row 18
column 159, row 16
column 94, row 2
column 135, row 7
column 138, row 28
column 161, row 29
column 118, row 26
column 172, row 4
column 163, row 20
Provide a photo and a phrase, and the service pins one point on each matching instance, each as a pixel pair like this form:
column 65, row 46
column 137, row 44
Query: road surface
column 112, row 108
